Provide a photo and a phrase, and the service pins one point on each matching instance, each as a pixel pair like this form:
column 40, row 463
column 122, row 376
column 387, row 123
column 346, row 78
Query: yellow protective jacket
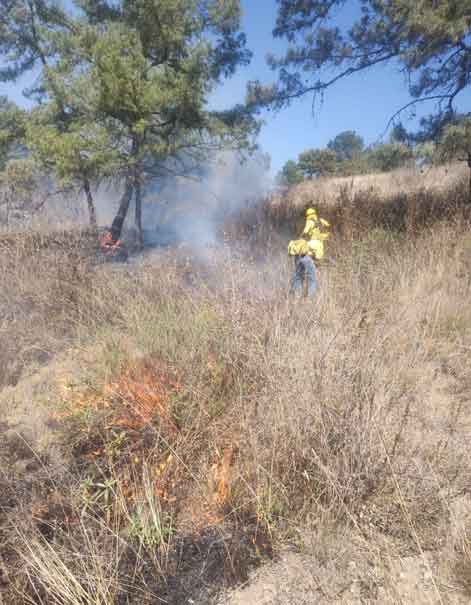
column 316, row 231
column 298, row 247
column 302, row 247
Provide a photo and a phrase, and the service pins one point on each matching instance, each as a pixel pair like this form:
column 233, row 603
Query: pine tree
column 124, row 87
column 455, row 144
column 429, row 40
column 317, row 162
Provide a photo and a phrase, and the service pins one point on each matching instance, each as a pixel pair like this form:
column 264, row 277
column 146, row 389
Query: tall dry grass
column 211, row 419
column 44, row 278
column 435, row 180
column 400, row 201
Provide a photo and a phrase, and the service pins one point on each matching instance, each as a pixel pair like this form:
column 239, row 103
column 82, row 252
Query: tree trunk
column 9, row 197
column 7, row 213
column 131, row 185
column 138, row 213
column 469, row 182
column 117, row 224
column 90, row 204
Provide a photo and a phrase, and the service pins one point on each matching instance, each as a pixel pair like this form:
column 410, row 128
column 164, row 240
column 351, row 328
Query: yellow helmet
column 310, row 212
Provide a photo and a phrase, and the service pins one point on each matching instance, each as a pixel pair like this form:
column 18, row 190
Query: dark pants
column 305, row 270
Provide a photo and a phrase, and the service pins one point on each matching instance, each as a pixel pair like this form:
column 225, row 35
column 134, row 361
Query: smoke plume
column 192, row 211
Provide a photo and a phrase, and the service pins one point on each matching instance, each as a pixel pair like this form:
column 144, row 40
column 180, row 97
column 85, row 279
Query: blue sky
column 363, row 102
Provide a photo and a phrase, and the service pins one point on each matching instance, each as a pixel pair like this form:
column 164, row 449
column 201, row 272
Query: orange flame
column 223, row 478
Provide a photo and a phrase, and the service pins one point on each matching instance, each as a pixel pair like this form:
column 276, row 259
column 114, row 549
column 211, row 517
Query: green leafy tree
column 399, row 134
column 389, row 156
column 12, row 130
column 159, row 112
column 430, row 40
column 432, row 127
column 455, row 144
column 290, row 174
column 317, row 162
column 147, row 68
column 347, row 145
column 34, row 34
column 31, row 35
column 18, row 177
column 79, row 157
column 154, row 68
column 20, row 189
column 426, row 153
column 358, row 165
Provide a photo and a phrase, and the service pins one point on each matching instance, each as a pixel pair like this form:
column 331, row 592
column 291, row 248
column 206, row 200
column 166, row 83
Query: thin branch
column 320, row 86
column 411, row 104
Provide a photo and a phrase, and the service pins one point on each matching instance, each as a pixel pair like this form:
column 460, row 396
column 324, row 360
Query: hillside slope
column 172, row 425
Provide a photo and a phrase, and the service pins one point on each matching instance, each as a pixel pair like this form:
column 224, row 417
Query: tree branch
column 411, row 104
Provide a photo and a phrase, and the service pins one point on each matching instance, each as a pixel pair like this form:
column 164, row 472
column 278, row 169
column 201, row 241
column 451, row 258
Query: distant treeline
column 437, row 140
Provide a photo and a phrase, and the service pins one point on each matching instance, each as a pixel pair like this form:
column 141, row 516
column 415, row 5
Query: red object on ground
column 111, row 248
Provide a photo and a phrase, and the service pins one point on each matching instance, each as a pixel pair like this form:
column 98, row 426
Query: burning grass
column 153, row 485
column 136, row 423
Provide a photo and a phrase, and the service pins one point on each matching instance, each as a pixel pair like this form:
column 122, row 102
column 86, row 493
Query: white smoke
column 188, row 210
column 192, row 210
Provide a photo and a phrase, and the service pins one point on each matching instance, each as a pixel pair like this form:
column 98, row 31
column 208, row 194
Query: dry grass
column 44, row 278
column 411, row 181
column 401, row 201
column 212, row 420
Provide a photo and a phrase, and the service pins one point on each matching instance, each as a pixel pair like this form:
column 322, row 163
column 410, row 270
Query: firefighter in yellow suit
column 307, row 249
column 316, row 231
